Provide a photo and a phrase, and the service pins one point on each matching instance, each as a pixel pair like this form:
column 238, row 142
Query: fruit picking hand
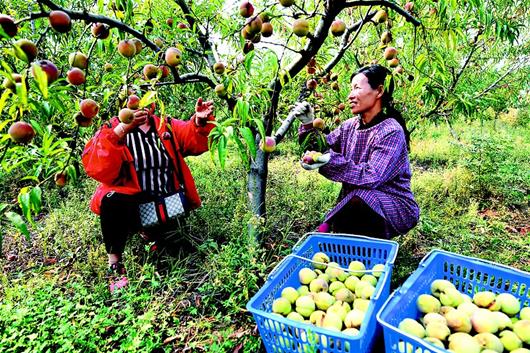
column 203, row 111
column 314, row 160
column 303, row 111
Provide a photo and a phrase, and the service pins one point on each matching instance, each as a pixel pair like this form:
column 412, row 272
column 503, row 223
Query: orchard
column 67, row 67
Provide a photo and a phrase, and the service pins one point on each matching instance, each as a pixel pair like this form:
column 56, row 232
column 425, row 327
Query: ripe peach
column 268, row 145
column 248, row 47
column 8, row 25
column 290, row 294
column 246, row 9
column 319, row 124
column 393, row 62
column 409, row 6
column 52, row 73
column 60, row 179
column 266, row 29
column 78, row 59
column 169, row 22
column 165, row 71
column 380, row 16
column 173, row 57
column 28, row 50
column 220, row 90
column 311, row 84
column 60, row 21
column 219, row 68
column 335, row 86
column 159, row 42
column 126, row 115
column 390, row 53
column 286, row 3
column 182, row 25
column 150, row 71
column 386, row 37
column 338, row 27
column 127, row 48
column 75, row 76
column 301, row 27
column 281, row 306
column 100, row 30
column 11, row 83
column 133, row 101
column 89, row 108
column 21, row 132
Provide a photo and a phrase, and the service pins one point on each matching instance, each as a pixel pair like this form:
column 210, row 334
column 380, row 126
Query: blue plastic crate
column 282, row 335
column 468, row 274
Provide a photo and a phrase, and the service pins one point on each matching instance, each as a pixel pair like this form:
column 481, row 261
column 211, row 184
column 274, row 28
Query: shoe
column 117, row 277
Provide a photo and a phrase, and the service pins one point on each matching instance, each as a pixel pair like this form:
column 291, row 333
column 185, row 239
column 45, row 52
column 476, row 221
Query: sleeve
column 385, row 162
column 103, row 156
column 191, row 138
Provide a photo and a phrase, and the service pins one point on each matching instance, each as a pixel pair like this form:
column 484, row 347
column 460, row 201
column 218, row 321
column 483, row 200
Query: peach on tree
column 338, row 27
column 8, row 25
column 246, row 9
column 75, row 76
column 89, row 108
column 60, row 21
column 301, row 27
column 78, row 59
column 126, row 48
column 21, row 132
column 49, row 68
column 173, row 57
column 27, row 50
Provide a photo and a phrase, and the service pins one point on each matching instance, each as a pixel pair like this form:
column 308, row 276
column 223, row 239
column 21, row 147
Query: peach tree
column 68, row 66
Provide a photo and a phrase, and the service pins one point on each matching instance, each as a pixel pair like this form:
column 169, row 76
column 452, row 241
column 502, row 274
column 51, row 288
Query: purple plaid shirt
column 372, row 164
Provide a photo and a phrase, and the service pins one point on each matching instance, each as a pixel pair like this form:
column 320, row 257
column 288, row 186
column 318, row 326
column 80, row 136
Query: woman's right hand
column 140, row 118
column 303, row 111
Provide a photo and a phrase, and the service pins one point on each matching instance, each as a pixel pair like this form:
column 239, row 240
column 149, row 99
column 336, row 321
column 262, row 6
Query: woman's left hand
column 317, row 162
column 203, row 111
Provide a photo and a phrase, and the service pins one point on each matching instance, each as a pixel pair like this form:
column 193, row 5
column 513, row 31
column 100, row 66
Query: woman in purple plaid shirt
column 368, row 154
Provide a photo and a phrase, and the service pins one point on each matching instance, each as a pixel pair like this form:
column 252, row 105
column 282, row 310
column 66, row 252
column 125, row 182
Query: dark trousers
column 120, row 218
column 356, row 217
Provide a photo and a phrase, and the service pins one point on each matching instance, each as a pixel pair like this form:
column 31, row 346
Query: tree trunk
column 257, row 187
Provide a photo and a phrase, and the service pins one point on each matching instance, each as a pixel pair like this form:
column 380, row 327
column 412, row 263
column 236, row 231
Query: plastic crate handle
column 346, row 235
column 472, row 259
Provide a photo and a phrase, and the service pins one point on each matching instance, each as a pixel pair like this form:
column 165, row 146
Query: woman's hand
column 314, row 160
column 203, row 111
column 140, row 118
column 303, row 111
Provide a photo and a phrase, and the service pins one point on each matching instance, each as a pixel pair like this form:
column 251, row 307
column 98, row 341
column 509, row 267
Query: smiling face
column 364, row 99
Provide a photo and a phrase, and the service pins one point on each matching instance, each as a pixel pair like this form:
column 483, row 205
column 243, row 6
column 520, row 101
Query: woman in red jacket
column 138, row 162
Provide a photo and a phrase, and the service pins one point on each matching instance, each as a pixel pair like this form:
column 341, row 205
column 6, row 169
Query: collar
column 379, row 117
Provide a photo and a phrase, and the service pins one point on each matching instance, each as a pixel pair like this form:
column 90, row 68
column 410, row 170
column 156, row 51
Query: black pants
column 356, row 217
column 120, row 218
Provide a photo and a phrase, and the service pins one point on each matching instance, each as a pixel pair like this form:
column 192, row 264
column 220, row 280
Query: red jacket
column 108, row 160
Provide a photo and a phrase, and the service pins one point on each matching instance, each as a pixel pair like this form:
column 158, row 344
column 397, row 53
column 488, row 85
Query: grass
column 473, row 195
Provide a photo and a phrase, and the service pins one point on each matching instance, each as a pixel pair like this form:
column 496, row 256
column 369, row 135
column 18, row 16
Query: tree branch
column 88, row 17
column 494, row 84
column 388, row 4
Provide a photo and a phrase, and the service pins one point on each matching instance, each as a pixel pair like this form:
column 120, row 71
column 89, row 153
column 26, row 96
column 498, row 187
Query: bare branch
column 496, row 83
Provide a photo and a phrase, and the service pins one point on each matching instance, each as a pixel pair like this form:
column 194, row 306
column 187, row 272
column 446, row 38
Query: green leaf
column 24, row 203
column 19, row 223
column 147, row 99
column 260, row 127
column 249, row 140
column 248, row 60
column 241, row 111
column 35, row 196
column 221, row 150
column 242, row 151
column 42, row 80
column 3, row 99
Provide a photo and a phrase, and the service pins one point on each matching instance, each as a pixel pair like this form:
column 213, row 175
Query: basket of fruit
column 460, row 304
column 323, row 297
